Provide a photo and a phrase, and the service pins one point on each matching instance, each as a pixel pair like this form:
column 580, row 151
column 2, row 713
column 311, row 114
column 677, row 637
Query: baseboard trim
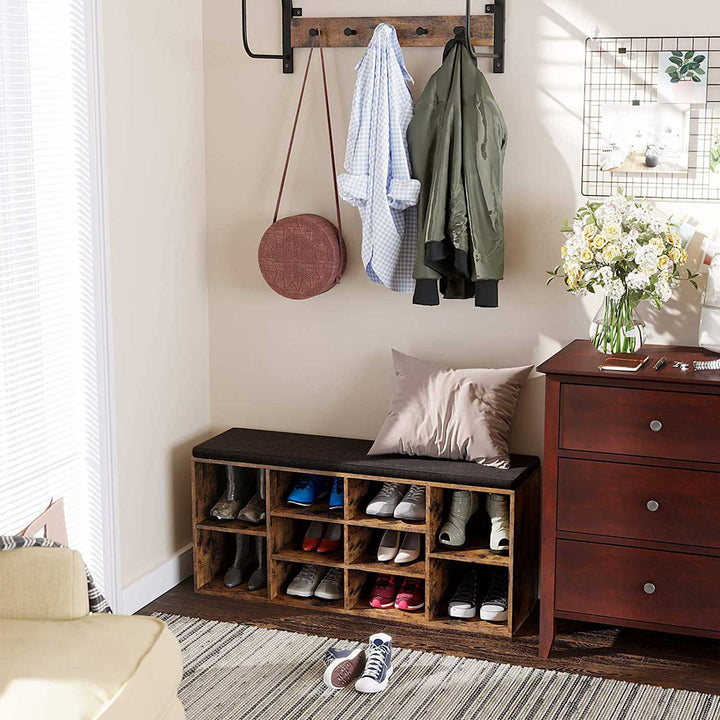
column 158, row 581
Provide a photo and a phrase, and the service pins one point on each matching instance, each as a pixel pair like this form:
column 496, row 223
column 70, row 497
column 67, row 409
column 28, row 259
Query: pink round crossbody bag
column 302, row 256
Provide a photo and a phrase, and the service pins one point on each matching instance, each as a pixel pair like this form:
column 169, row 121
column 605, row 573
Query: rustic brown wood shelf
column 368, row 563
column 387, row 524
column 284, row 456
column 292, row 553
column 472, row 554
column 233, row 526
column 319, row 513
column 487, row 30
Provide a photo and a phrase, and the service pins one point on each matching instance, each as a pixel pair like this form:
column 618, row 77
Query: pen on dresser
column 662, row 361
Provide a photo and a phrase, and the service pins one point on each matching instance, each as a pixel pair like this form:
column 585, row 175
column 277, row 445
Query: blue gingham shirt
column 378, row 177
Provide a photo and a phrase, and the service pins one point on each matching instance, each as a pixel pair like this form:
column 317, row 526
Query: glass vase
column 617, row 327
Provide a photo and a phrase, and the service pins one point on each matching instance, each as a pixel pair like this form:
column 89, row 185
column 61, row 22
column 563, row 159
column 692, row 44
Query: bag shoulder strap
column 330, row 135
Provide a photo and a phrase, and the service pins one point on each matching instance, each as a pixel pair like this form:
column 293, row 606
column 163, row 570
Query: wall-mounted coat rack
column 486, row 30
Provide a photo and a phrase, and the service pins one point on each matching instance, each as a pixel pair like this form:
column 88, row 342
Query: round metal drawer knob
column 649, row 588
column 655, row 425
column 652, row 505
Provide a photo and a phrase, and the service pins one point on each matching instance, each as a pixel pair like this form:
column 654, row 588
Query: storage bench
column 284, row 456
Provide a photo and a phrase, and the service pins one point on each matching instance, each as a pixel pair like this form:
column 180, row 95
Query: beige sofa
column 59, row 662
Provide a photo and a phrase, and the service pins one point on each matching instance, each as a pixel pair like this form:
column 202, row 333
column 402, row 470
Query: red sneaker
column 411, row 595
column 383, row 592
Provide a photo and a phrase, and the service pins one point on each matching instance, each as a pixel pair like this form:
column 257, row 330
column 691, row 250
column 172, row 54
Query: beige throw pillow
column 455, row 414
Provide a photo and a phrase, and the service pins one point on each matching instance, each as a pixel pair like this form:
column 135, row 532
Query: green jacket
column 457, row 148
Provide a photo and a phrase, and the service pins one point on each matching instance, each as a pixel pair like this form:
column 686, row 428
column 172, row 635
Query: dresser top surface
column 582, row 359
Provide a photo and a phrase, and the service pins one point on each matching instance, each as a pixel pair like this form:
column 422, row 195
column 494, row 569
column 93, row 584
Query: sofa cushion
column 100, row 666
column 43, row 583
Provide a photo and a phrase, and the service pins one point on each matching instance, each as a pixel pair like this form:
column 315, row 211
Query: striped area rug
column 240, row 672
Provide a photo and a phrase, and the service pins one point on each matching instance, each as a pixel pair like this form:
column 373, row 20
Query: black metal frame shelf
column 425, row 31
column 624, row 70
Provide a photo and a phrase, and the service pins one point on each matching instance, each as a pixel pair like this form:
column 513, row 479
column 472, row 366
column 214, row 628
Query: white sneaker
column 306, row 581
column 412, row 506
column 389, row 545
column 498, row 508
column 378, row 667
column 385, row 502
column 331, row 586
column 409, row 548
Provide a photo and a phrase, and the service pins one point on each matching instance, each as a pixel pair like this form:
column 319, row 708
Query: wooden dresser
column 631, row 494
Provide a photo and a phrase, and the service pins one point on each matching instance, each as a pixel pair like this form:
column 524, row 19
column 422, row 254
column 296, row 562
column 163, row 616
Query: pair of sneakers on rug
column 370, row 669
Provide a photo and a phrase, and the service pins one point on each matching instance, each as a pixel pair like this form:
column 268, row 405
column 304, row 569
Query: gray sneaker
column 306, row 581
column 386, row 500
column 412, row 506
column 331, row 586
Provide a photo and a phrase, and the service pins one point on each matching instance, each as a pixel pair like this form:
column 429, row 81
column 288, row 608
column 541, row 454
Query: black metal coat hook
column 422, row 31
column 497, row 9
column 349, row 32
column 287, row 54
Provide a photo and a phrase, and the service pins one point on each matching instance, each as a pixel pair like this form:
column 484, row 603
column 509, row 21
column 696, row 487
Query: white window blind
column 52, row 407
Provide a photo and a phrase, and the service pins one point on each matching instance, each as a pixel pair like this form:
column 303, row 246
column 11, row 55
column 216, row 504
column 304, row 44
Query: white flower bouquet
column 627, row 251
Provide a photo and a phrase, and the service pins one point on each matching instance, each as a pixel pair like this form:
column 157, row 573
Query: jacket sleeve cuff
column 426, row 292
column 403, row 193
column 353, row 189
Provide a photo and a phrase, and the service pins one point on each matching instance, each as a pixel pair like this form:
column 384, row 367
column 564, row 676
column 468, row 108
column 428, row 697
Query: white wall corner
column 158, row 581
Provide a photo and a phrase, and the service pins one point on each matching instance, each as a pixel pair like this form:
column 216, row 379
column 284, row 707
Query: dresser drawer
column 646, row 423
column 634, row 501
column 641, row 585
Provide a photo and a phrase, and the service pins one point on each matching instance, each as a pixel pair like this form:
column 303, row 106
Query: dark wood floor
column 621, row 654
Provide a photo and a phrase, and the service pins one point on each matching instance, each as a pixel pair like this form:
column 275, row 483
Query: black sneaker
column 463, row 603
column 495, row 603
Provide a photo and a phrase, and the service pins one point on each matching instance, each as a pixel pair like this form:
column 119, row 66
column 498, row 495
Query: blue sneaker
column 343, row 666
column 378, row 667
column 308, row 489
column 336, row 495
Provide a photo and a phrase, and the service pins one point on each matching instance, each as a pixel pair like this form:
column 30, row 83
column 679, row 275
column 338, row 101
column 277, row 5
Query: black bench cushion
column 348, row 456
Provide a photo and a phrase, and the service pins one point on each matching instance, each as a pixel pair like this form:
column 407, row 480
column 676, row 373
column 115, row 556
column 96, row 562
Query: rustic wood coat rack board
column 486, row 30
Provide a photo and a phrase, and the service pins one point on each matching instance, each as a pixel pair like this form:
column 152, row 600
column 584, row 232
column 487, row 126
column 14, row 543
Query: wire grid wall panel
column 625, row 70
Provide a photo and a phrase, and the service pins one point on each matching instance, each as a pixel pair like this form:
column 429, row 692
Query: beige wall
column 156, row 209
column 323, row 365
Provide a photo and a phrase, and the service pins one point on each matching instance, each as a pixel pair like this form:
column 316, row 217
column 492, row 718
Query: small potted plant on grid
column 685, row 70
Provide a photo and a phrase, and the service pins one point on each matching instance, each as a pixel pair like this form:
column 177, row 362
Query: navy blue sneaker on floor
column 336, row 495
column 343, row 666
column 378, row 666
column 308, row 489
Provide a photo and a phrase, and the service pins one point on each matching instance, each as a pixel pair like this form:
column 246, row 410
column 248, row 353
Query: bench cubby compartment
column 362, row 545
column 445, row 577
column 214, row 553
column 281, row 575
